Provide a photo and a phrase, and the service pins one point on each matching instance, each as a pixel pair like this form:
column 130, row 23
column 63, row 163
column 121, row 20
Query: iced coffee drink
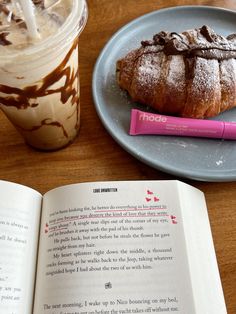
column 39, row 77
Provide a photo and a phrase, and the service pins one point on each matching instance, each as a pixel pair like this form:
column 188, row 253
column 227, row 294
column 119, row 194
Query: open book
column 107, row 248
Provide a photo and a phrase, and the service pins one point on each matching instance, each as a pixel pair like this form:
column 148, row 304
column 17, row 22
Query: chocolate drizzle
column 39, row 3
column 45, row 122
column 22, row 98
column 3, row 39
column 210, row 46
column 21, row 24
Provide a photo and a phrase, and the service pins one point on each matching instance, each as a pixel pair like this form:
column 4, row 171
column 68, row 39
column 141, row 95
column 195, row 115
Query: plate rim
column 169, row 169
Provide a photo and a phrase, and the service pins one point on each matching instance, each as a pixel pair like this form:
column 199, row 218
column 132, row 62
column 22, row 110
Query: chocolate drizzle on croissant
column 215, row 47
column 191, row 74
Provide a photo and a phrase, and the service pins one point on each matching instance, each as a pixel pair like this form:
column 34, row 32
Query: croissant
column 188, row 74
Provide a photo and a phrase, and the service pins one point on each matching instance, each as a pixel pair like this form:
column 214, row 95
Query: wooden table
column 96, row 156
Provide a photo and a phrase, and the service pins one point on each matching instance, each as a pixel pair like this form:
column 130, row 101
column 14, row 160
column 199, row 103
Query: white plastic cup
column 39, row 85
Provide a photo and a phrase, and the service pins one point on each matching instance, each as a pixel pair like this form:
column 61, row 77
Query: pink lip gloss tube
column 150, row 123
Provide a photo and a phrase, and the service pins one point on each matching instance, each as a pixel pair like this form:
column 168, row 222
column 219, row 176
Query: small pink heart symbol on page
column 149, row 192
column 148, row 199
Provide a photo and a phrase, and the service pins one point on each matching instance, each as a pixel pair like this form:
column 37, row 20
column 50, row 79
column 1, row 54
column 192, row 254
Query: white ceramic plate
column 194, row 158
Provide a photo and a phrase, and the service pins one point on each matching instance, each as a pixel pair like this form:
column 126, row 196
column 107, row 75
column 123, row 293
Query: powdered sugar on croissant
column 191, row 74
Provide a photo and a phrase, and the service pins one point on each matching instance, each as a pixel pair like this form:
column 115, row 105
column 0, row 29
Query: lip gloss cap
column 229, row 131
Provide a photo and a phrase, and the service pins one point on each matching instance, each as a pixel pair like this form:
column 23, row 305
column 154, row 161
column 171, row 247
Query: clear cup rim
column 73, row 27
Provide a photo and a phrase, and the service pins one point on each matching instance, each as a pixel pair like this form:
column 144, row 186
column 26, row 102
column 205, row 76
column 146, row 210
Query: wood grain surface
column 94, row 155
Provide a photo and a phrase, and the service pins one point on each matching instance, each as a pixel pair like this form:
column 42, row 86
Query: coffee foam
column 48, row 20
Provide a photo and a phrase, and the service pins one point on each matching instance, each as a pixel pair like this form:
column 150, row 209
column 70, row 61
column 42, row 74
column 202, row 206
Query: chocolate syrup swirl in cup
column 39, row 81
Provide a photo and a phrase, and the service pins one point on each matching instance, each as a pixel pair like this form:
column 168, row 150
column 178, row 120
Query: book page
column 205, row 277
column 20, row 209
column 115, row 247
